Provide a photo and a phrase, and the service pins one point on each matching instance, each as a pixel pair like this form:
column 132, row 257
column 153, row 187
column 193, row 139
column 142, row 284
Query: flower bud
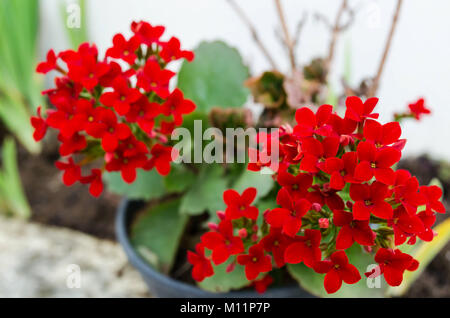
column 242, row 233
column 255, row 228
column 349, row 205
column 213, row 226
column 324, row 223
column 316, row 207
column 254, row 237
column 230, row 267
column 221, row 215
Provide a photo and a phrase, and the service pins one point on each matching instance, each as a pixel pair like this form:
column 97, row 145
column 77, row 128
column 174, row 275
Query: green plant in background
column 74, row 19
column 19, row 89
column 12, row 198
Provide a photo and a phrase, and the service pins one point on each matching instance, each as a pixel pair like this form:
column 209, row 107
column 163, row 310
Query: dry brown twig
column 337, row 28
column 253, row 32
column 299, row 29
column 376, row 81
column 287, row 36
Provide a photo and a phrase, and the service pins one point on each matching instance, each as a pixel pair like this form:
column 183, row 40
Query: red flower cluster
column 102, row 111
column 336, row 186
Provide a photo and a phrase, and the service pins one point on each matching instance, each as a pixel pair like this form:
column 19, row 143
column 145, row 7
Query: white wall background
column 418, row 64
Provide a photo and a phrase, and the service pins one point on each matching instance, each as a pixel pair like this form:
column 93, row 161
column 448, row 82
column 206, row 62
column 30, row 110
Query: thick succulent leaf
column 156, row 234
column 222, row 281
column 313, row 282
column 179, row 179
column 206, row 193
column 148, row 185
column 261, row 180
column 215, row 77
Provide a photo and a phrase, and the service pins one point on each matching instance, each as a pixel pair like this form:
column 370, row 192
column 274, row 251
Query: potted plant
column 304, row 196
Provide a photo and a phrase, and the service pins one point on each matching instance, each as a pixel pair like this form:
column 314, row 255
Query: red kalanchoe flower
column 154, row 79
column 262, row 284
column 337, row 269
column 255, row 262
column 289, row 216
column 240, row 205
column 146, row 33
column 406, row 191
column 39, row 125
column 393, row 263
column 123, row 49
column 72, row 144
column 352, row 231
column 276, row 243
column 376, row 162
column 161, row 159
column 369, row 199
column 382, row 135
column 177, row 106
column 418, row 108
column 95, row 181
column 144, row 113
column 405, row 225
column 49, row 64
column 309, row 123
column 202, row 267
column 433, row 195
column 304, row 249
column 171, row 51
column 110, row 130
column 122, row 96
column 297, row 186
column 316, row 152
column 341, row 170
column 87, row 71
column 359, row 111
column 72, row 171
column 223, row 243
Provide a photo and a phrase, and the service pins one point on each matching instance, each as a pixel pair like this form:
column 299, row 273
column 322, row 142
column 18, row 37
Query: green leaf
column 261, row 180
column 222, row 281
column 148, row 185
column 206, row 193
column 12, row 195
column 215, row 77
column 313, row 282
column 424, row 252
column 156, row 234
column 179, row 179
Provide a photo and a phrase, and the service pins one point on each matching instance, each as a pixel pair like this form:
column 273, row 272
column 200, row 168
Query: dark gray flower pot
column 164, row 286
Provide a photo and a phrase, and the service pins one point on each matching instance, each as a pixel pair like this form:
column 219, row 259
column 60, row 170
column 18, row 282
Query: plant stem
column 287, row 37
column 334, row 36
column 253, row 32
column 376, row 80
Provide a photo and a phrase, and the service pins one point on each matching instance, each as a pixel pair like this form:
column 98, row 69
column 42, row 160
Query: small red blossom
column 146, row 33
column 171, row 51
column 341, row 170
column 304, row 249
column 39, row 125
column 123, row 49
column 337, row 269
column 161, row 159
column 72, row 171
column 381, row 135
column 370, row 199
column 262, row 284
column 49, row 64
column 297, row 186
column 289, row 216
column 177, row 106
column 309, row 123
column 202, row 267
column 418, row 108
column 393, row 263
column 240, row 205
column 359, row 111
column 276, row 243
column 433, row 195
column 95, row 181
column 352, row 231
column 122, row 96
column 255, row 262
column 223, row 243
column 154, row 79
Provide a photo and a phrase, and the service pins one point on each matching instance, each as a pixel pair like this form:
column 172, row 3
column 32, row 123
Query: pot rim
column 189, row 290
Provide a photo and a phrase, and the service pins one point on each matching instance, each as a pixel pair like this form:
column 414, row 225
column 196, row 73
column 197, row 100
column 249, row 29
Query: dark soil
column 55, row 204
